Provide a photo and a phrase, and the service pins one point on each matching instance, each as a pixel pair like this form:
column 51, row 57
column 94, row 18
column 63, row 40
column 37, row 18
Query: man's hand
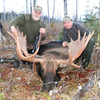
column 64, row 44
column 12, row 28
column 42, row 30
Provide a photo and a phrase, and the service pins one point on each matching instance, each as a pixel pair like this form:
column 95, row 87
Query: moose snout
column 49, row 81
column 49, row 86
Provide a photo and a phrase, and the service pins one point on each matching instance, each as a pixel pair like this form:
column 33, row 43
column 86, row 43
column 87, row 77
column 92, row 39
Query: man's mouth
column 36, row 17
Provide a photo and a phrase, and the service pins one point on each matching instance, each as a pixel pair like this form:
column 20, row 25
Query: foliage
column 92, row 21
column 98, row 38
column 52, row 24
column 2, row 96
column 60, row 35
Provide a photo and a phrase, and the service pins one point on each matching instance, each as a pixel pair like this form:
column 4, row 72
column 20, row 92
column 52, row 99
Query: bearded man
column 31, row 26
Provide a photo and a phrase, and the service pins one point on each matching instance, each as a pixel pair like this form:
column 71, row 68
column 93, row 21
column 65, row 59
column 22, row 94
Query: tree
column 27, row 11
column 65, row 7
column 76, row 10
column 99, row 11
column 48, row 11
column 4, row 9
column 92, row 21
column 34, row 3
column 53, row 9
column 30, row 6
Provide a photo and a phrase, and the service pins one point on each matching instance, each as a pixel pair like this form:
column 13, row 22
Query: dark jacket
column 24, row 23
column 1, row 25
column 73, row 32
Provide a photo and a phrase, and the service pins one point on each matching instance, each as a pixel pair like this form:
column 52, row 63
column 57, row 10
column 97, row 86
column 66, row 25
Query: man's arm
column 18, row 21
column 64, row 43
column 82, row 30
column 42, row 27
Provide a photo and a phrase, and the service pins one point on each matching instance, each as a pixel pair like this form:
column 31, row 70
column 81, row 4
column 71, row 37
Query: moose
column 50, row 55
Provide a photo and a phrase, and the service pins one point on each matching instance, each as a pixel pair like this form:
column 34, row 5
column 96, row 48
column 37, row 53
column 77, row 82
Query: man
column 70, row 30
column 30, row 25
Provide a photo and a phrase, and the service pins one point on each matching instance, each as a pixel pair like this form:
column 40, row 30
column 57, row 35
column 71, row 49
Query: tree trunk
column 65, row 7
column 99, row 12
column 76, row 10
column 48, row 11
column 30, row 6
column 27, row 11
column 34, row 3
column 4, row 10
column 53, row 9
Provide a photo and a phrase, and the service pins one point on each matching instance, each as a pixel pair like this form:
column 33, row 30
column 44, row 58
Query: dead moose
column 50, row 55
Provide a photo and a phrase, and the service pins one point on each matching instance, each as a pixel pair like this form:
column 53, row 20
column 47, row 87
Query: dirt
column 23, row 83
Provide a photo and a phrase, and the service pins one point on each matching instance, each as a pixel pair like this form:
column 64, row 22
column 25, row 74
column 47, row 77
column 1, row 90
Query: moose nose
column 49, row 86
column 49, row 81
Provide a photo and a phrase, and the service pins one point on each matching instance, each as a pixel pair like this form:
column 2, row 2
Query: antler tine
column 78, row 35
column 70, row 57
column 89, row 37
column 75, row 49
column 12, row 35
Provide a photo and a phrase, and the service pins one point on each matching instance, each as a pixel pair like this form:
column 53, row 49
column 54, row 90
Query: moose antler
column 75, row 49
column 21, row 47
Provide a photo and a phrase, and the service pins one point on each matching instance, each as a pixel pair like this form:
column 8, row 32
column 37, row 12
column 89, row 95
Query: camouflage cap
column 37, row 8
column 67, row 18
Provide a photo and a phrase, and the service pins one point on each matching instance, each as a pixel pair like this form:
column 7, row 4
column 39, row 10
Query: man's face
column 68, row 24
column 36, row 15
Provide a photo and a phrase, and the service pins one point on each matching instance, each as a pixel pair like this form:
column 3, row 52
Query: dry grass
column 52, row 32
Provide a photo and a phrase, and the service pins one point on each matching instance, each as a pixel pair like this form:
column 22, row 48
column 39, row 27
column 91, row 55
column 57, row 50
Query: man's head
column 36, row 14
column 67, row 22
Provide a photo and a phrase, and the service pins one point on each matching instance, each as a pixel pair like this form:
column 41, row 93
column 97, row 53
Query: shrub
column 92, row 21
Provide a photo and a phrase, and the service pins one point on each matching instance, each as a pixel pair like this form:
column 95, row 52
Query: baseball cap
column 67, row 18
column 37, row 8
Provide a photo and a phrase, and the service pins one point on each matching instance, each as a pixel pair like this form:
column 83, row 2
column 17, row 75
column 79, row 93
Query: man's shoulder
column 27, row 16
column 76, row 24
column 41, row 23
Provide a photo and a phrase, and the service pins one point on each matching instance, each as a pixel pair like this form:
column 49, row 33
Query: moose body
column 50, row 55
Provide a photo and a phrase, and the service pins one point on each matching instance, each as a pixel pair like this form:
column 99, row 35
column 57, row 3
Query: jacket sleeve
column 64, row 35
column 18, row 21
column 42, row 24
